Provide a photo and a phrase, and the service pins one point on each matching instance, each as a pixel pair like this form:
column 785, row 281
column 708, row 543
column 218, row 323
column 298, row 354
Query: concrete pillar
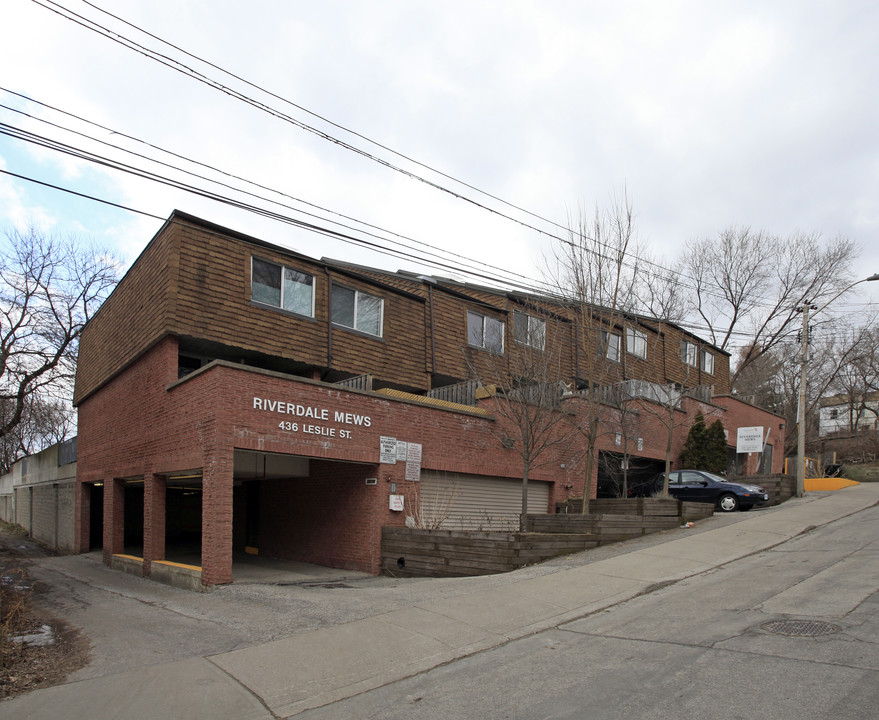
column 153, row 520
column 114, row 518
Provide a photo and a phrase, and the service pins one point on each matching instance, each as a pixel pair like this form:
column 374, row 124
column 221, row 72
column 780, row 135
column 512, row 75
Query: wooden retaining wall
column 606, row 528
column 455, row 553
column 408, row 552
column 780, row 487
column 647, row 507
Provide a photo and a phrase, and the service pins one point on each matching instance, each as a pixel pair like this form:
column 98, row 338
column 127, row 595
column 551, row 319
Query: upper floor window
column 834, row 413
column 707, row 362
column 282, row 287
column 529, row 330
column 689, row 353
column 358, row 310
column 636, row 343
column 610, row 344
column 485, row 332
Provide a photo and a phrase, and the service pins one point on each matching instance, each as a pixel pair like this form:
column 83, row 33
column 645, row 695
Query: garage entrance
column 293, row 508
column 634, row 481
column 455, row 501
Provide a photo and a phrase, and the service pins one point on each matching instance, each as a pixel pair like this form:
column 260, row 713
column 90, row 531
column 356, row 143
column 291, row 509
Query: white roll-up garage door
column 455, row 501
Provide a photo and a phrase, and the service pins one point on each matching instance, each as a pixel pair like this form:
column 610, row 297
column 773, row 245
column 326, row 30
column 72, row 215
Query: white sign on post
column 749, row 439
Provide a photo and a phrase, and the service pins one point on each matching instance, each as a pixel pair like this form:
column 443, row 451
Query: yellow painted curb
column 827, row 483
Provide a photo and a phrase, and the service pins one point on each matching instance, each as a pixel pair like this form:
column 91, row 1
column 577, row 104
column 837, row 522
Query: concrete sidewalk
column 287, row 676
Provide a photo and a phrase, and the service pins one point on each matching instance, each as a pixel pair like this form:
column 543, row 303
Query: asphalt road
column 132, row 622
column 700, row 648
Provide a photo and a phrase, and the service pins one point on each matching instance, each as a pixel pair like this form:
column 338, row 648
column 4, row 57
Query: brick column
column 153, row 520
column 114, row 520
column 216, row 514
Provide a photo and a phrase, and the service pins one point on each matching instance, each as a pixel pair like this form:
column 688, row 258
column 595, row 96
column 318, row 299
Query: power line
column 30, row 137
column 173, row 64
column 194, row 74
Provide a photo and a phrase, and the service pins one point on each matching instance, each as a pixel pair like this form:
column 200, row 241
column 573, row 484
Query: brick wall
column 331, row 517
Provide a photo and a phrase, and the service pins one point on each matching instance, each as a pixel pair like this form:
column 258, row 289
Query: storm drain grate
column 801, row 628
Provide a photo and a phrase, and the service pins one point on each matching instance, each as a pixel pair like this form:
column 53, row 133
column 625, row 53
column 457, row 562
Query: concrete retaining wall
column 46, row 511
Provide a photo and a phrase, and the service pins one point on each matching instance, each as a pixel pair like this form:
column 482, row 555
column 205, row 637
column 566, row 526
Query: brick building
column 238, row 397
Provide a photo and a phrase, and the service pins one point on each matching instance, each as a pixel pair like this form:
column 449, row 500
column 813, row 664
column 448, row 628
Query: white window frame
column 706, row 362
column 358, row 294
column 612, row 349
column 535, row 330
column 636, row 343
column 282, row 271
column 484, row 322
column 689, row 353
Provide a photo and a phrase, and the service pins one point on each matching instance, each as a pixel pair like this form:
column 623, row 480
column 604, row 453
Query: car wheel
column 728, row 503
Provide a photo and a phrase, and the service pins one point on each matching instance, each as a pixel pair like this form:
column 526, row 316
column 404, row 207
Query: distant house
column 846, row 413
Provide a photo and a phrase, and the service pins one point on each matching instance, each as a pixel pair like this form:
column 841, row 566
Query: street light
column 801, row 406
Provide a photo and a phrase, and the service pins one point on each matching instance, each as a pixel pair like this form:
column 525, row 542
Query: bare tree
column 524, row 390
column 595, row 267
column 44, row 422
column 49, row 287
column 753, row 282
column 856, row 352
column 624, row 417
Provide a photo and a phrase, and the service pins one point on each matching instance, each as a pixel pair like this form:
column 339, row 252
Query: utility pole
column 801, row 406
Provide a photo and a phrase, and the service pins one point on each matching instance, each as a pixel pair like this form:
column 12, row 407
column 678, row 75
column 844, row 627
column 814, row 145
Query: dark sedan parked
column 701, row 486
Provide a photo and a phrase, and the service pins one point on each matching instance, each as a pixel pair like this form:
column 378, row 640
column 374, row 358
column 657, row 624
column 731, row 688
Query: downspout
column 329, row 319
column 432, row 337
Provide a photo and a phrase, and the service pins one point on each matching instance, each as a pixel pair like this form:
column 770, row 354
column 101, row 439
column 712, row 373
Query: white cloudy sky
column 710, row 114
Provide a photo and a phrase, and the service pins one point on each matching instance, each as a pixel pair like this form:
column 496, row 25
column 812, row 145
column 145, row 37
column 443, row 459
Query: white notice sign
column 401, row 450
column 387, row 453
column 749, row 439
column 413, row 462
column 413, row 452
column 396, row 503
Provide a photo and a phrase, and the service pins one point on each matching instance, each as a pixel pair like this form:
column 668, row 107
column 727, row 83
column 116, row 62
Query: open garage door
column 455, row 501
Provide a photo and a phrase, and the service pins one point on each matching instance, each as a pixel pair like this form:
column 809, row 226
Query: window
column 610, row 345
column 834, row 413
column 529, row 330
column 689, row 353
column 357, row 310
column 636, row 343
column 282, row 287
column 485, row 332
column 707, row 360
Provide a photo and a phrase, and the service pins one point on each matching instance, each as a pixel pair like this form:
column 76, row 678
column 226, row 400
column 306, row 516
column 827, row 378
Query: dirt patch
column 26, row 666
